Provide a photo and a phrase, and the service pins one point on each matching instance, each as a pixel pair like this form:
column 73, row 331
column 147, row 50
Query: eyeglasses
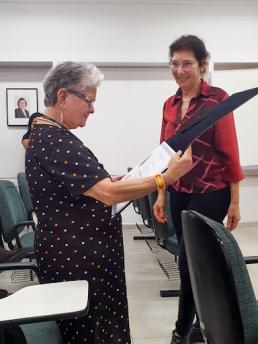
column 187, row 65
column 87, row 100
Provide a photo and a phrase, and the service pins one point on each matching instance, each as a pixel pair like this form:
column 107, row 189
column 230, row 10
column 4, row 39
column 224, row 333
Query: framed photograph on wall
column 20, row 104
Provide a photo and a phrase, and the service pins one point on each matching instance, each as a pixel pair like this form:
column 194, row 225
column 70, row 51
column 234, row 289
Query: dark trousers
column 212, row 204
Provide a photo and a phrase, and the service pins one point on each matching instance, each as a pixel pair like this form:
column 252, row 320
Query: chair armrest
column 43, row 302
column 251, row 259
column 25, row 223
column 19, row 266
column 17, row 255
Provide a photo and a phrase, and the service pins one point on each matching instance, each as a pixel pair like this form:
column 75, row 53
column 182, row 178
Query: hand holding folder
column 178, row 165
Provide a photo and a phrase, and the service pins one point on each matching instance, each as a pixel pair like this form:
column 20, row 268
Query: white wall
column 128, row 111
column 246, row 117
column 124, row 32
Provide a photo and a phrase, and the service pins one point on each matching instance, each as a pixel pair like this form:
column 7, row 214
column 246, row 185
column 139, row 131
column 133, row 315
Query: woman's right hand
column 159, row 207
column 178, row 166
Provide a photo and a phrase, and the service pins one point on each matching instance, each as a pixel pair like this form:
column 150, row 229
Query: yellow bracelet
column 159, row 182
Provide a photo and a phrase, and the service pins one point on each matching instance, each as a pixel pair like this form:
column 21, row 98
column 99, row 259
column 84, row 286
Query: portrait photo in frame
column 21, row 103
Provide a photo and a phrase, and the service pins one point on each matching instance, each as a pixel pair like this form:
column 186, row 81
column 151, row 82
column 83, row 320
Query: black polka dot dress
column 76, row 238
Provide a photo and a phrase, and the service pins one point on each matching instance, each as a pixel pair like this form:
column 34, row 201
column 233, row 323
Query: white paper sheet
column 155, row 163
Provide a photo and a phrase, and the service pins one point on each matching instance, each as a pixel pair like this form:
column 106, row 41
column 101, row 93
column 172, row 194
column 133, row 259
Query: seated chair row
column 28, row 316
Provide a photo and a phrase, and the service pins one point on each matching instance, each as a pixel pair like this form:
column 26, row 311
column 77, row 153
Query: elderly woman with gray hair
column 72, row 194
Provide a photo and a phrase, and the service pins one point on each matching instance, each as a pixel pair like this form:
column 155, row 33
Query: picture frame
column 21, row 103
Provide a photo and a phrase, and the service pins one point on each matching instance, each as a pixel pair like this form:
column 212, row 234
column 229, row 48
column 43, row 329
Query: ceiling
column 142, row 2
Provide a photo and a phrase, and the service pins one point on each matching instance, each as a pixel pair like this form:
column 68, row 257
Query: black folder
column 182, row 139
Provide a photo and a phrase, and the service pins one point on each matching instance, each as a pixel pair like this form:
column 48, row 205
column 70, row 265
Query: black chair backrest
column 162, row 230
column 145, row 211
column 14, row 335
column 220, row 281
column 136, row 206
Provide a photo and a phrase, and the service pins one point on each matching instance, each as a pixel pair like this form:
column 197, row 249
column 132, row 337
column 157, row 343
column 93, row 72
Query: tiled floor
column 152, row 317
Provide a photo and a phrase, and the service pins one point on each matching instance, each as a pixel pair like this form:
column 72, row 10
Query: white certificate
column 156, row 162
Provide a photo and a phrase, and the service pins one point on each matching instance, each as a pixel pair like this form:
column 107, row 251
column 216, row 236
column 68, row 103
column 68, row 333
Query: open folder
column 157, row 161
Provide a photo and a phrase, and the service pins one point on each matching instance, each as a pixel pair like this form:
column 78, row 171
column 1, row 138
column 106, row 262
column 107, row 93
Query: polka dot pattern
column 76, row 238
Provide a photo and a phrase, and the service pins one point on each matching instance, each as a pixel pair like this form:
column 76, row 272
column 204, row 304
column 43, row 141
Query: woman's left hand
column 233, row 216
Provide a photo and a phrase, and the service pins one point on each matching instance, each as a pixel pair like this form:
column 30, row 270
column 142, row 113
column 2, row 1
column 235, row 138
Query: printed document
column 155, row 163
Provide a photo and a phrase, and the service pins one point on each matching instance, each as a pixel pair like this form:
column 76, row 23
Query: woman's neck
column 192, row 92
column 55, row 114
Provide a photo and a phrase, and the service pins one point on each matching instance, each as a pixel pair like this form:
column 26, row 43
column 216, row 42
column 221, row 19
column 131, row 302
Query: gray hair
column 73, row 75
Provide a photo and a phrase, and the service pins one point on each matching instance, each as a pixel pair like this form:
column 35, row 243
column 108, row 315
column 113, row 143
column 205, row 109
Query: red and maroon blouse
column 215, row 153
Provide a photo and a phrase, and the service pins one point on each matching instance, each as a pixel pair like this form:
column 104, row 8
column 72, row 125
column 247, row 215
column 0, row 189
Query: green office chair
column 25, row 194
column 223, row 293
column 13, row 218
column 29, row 315
column 136, row 206
column 143, row 209
column 165, row 232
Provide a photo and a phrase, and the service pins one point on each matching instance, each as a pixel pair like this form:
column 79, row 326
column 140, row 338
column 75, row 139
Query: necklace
column 58, row 124
column 53, row 121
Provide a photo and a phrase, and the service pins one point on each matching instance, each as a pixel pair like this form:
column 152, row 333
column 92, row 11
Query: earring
column 61, row 117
